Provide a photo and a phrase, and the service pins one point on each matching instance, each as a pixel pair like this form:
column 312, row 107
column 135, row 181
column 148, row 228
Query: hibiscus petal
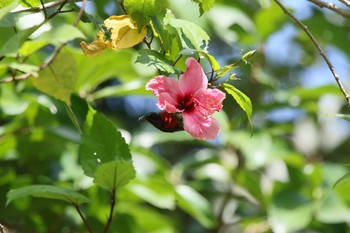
column 199, row 126
column 168, row 92
column 194, row 77
column 167, row 102
column 210, row 100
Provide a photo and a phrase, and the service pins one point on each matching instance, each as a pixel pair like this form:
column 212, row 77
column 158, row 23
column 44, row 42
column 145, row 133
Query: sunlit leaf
column 192, row 36
column 6, row 6
column 131, row 88
column 196, row 205
column 155, row 190
column 25, row 68
column 211, row 59
column 332, row 209
column 290, row 211
column 61, row 34
column 11, row 46
column 47, row 191
column 101, row 143
column 224, row 70
column 94, row 71
column 153, row 58
column 31, row 46
column 59, row 78
column 269, row 20
column 342, row 186
column 168, row 36
column 242, row 100
column 142, row 11
column 343, row 116
column 248, row 55
column 204, row 5
column 115, row 174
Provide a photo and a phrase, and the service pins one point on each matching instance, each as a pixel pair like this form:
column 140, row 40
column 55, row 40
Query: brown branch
column 345, row 2
column 80, row 14
column 332, row 7
column 318, row 47
column 57, row 50
column 44, row 6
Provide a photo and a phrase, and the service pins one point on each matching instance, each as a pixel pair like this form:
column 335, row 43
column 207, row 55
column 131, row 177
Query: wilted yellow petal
column 93, row 49
column 119, row 32
column 124, row 33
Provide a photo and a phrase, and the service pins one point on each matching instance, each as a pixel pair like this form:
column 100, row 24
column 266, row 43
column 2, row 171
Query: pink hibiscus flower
column 190, row 96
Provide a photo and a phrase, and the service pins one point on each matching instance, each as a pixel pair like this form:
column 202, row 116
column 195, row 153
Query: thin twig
column 178, row 58
column 1, row 229
column 147, row 43
column 111, row 211
column 57, row 50
column 331, row 6
column 121, row 3
column 318, row 47
column 112, row 204
column 345, row 2
column 44, row 6
column 80, row 14
column 83, row 218
column 74, row 119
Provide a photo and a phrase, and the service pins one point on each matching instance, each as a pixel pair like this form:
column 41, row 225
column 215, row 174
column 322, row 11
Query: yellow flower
column 118, row 32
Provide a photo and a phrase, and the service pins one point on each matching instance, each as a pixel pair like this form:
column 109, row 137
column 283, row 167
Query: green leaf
column 248, row 55
column 61, row 34
column 196, row 205
column 6, row 6
column 224, row 70
column 214, row 64
column 342, row 186
column 11, row 46
column 115, row 174
column 25, row 68
column 58, row 79
column 156, row 190
column 204, row 5
column 47, row 191
column 269, row 20
column 242, row 100
column 142, row 11
column 290, row 211
column 153, row 58
column 136, row 87
column 343, row 116
column 101, row 143
column 30, row 47
column 94, row 71
column 8, row 19
column 192, row 36
column 332, row 209
column 168, row 36
column 32, row 3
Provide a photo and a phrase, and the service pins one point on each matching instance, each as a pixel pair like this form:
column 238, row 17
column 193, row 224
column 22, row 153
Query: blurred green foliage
column 287, row 173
